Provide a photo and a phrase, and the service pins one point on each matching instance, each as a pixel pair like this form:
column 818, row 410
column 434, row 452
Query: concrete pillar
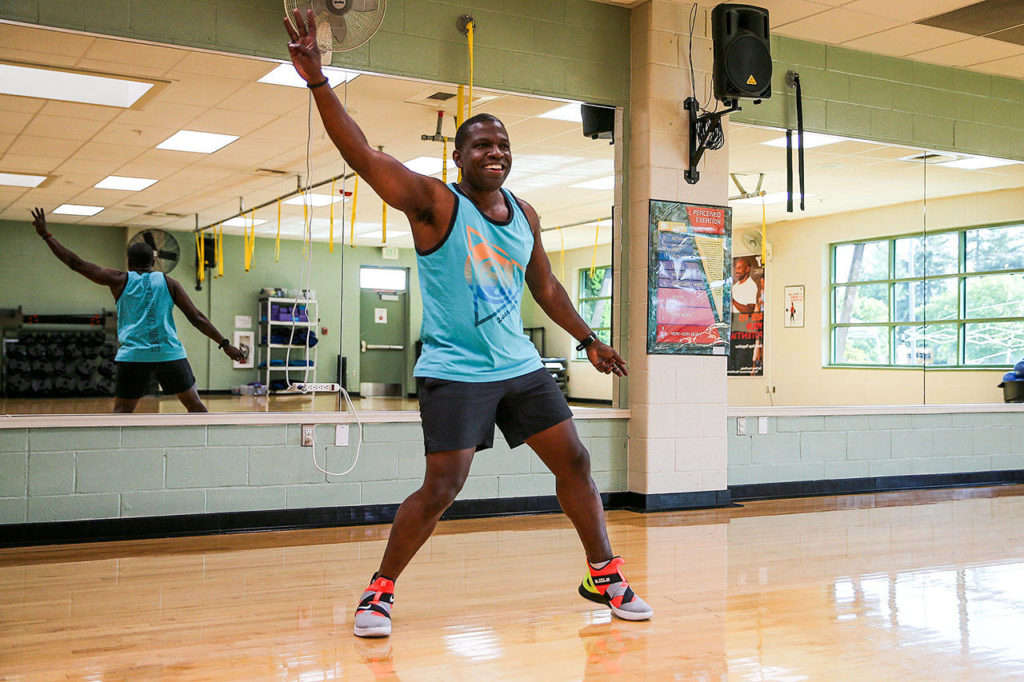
column 677, row 435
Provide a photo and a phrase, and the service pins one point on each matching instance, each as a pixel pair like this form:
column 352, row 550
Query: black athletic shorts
column 458, row 415
column 174, row 376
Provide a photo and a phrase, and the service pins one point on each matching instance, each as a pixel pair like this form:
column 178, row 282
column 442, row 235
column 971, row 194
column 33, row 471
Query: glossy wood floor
column 907, row 586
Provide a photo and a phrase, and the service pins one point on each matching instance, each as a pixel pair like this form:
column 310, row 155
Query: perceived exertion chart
column 688, row 310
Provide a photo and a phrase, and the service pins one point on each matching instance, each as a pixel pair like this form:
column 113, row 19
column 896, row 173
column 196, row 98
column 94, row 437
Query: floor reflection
column 925, row 589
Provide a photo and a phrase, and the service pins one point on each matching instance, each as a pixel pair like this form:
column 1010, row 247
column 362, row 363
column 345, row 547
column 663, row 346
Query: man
column 477, row 245
column 148, row 339
column 746, row 295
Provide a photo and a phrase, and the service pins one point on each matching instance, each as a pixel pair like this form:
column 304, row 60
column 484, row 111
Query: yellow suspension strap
column 218, row 249
column 469, row 35
column 305, row 225
column 277, row 242
column 459, row 118
column 331, row 246
column 252, row 237
column 201, row 255
column 593, row 259
column 444, row 161
column 383, row 214
column 246, row 256
column 352, row 225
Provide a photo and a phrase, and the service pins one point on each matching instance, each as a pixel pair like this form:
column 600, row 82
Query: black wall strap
column 800, row 133
column 789, row 171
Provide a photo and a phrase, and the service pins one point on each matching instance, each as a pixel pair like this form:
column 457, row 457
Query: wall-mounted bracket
column 699, row 146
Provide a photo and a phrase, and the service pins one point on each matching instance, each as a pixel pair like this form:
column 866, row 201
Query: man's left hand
column 606, row 360
column 234, row 353
column 39, row 221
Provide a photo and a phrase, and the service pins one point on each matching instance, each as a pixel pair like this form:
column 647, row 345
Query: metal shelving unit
column 272, row 326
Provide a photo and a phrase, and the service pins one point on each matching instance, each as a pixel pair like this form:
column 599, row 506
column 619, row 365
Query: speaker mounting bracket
column 698, row 147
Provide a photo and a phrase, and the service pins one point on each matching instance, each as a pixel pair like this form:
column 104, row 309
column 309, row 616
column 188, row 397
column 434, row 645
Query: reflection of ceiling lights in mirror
column 21, row 180
column 378, row 235
column 770, row 198
column 76, row 209
column 545, row 171
column 69, row 86
column 810, row 140
column 978, row 162
column 123, row 183
column 569, row 112
column 285, row 74
column 605, row 184
column 195, row 141
column 242, row 222
column 314, row 200
column 428, row 165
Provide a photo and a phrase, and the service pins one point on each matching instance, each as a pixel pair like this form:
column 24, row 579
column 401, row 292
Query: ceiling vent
column 929, row 157
column 274, row 172
column 441, row 96
column 164, row 214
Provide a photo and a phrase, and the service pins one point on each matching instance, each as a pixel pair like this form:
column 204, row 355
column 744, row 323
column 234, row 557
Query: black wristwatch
column 220, row 346
column 587, row 340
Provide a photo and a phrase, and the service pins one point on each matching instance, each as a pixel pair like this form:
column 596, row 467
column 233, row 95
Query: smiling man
column 477, row 245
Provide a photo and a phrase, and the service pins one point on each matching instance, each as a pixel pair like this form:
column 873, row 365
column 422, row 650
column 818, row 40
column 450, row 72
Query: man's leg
column 191, row 400
column 559, row 447
column 415, row 520
column 125, row 405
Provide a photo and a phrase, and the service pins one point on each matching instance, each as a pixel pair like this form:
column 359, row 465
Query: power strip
column 316, row 388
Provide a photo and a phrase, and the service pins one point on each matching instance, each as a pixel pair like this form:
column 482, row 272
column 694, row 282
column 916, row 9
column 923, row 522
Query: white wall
column 795, row 356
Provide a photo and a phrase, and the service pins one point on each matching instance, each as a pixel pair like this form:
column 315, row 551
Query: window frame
column 581, row 355
column 892, row 325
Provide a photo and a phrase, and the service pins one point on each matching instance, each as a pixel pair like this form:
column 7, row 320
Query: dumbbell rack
column 57, row 355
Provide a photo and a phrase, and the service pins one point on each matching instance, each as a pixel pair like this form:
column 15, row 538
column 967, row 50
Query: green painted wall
column 574, row 48
column 30, row 276
column 875, row 97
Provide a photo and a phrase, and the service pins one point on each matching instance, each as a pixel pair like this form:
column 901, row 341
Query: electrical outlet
column 308, row 435
column 341, row 435
column 762, row 426
column 741, row 426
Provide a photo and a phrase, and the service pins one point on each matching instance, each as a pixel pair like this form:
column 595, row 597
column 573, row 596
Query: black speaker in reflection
column 743, row 59
column 598, row 121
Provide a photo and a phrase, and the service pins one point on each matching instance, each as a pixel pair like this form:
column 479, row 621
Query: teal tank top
column 145, row 320
column 472, row 287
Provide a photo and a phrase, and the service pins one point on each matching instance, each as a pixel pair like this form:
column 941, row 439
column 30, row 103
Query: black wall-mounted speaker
column 743, row 59
column 598, row 121
column 209, row 253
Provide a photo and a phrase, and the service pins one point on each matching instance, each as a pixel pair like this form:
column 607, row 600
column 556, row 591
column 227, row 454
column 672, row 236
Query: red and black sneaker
column 606, row 586
column 373, row 615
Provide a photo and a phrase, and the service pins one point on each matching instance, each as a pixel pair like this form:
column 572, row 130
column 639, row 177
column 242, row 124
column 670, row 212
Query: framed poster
column 688, row 286
column 746, row 349
column 245, row 342
column 794, row 306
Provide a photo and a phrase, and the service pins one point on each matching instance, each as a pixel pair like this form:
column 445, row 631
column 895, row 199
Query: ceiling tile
column 200, row 90
column 970, row 51
column 44, row 40
column 134, row 135
column 906, row 10
column 26, row 105
column 129, row 70
column 263, row 98
column 904, row 40
column 160, row 113
column 102, row 151
column 130, row 53
column 63, row 127
column 231, row 122
column 206, row 63
column 34, row 163
column 837, row 26
column 1012, row 67
column 14, row 122
column 94, row 112
column 782, row 12
column 27, row 145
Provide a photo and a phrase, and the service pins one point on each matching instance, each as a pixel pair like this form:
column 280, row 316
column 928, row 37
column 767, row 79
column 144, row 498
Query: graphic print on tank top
column 490, row 273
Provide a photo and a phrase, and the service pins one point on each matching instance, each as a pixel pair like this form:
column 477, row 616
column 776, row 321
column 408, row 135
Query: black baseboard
column 104, row 530
column 877, row 484
column 675, row 501
column 591, row 401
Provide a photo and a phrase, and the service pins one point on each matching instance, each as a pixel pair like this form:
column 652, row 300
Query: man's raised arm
column 96, row 273
column 418, row 196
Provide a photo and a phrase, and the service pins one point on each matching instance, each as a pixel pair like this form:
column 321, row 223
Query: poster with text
column 688, row 287
column 746, row 352
column 793, row 308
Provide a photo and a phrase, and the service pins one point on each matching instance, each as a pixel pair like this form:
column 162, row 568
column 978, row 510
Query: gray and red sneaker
column 606, row 586
column 373, row 615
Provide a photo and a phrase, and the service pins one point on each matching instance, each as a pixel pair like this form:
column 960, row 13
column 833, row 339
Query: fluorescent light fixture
column 314, row 200
column 75, row 209
column 978, row 162
column 68, row 86
column 771, row 198
column 568, row 112
column 123, row 183
column 242, row 222
column 428, row 165
column 604, row 184
column 810, row 140
column 285, row 74
column 378, row 235
column 194, row 141
column 21, row 180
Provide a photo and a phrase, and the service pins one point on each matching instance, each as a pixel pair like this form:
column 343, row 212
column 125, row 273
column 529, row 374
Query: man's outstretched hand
column 234, row 353
column 302, row 48
column 39, row 221
column 606, row 359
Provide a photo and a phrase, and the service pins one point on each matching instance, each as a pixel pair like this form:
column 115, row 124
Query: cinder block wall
column 815, row 448
column 65, row 474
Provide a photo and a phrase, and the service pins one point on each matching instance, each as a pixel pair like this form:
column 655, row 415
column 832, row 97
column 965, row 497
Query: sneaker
column 373, row 615
column 607, row 586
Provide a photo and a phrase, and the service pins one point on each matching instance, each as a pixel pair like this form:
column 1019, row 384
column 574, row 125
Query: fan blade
column 148, row 238
column 324, row 42
column 364, row 5
column 167, row 255
column 339, row 30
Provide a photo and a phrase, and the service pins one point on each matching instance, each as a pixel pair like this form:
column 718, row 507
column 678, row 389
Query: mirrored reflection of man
column 477, row 245
column 149, row 343
column 748, row 318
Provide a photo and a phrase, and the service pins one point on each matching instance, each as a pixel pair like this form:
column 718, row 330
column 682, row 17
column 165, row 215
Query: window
column 947, row 299
column 387, row 279
column 595, row 303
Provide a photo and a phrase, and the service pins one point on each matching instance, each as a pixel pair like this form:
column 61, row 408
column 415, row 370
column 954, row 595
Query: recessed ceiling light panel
column 69, row 86
column 569, row 112
column 21, row 180
column 77, row 209
column 124, row 183
column 314, row 200
column 285, row 74
column 195, row 141
column 242, row 222
column 810, row 140
column 978, row 163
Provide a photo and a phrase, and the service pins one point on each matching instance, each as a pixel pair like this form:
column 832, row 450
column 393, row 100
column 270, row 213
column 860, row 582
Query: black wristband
column 313, row 86
column 586, row 341
column 220, row 346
